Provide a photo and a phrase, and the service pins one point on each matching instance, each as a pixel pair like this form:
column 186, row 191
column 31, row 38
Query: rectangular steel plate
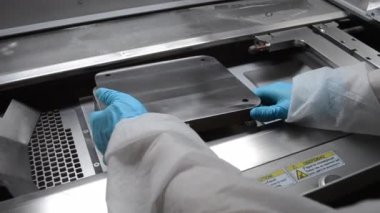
column 198, row 90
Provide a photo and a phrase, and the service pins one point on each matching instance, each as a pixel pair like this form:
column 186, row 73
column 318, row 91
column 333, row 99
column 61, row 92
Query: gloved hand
column 275, row 100
column 119, row 106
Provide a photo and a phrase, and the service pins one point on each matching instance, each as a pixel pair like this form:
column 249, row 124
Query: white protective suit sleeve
column 156, row 163
column 337, row 99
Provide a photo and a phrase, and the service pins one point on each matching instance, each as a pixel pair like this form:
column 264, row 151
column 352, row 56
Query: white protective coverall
column 156, row 163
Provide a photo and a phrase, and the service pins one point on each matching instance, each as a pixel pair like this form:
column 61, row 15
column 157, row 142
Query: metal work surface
column 37, row 57
column 73, row 13
column 299, row 50
column 328, row 53
column 86, row 195
column 296, row 60
column 196, row 89
column 348, row 43
column 368, row 10
column 356, row 151
column 89, row 194
column 16, row 13
column 245, row 151
column 365, row 4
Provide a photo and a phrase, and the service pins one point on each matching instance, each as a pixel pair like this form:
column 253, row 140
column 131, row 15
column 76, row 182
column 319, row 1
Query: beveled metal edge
column 10, row 80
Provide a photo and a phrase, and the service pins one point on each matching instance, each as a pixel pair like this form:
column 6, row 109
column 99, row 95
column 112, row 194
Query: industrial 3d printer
column 177, row 57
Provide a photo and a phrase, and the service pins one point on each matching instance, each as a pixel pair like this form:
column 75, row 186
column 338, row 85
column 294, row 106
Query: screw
column 268, row 14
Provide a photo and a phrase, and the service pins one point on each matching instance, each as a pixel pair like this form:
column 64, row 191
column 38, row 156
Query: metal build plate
column 192, row 89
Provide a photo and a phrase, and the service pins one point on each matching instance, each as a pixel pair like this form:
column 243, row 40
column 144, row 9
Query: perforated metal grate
column 53, row 156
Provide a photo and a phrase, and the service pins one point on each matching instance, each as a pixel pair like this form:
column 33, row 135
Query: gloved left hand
column 119, row 106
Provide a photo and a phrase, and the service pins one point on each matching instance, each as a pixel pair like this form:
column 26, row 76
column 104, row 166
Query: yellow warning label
column 302, row 164
column 273, row 175
column 314, row 166
column 278, row 178
column 300, row 174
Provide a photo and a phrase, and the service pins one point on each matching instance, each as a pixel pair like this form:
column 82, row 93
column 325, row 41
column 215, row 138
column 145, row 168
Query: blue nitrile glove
column 275, row 100
column 119, row 106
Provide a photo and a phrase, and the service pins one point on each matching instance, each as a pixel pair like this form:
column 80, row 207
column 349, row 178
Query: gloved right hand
column 275, row 100
column 119, row 106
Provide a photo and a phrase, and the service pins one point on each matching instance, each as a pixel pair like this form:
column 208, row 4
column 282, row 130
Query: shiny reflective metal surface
column 71, row 120
column 365, row 5
column 357, row 151
column 324, row 51
column 246, row 151
column 198, row 90
column 16, row 18
column 39, row 57
column 348, row 43
column 299, row 50
column 87, row 106
column 86, row 195
column 368, row 10
column 327, row 179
